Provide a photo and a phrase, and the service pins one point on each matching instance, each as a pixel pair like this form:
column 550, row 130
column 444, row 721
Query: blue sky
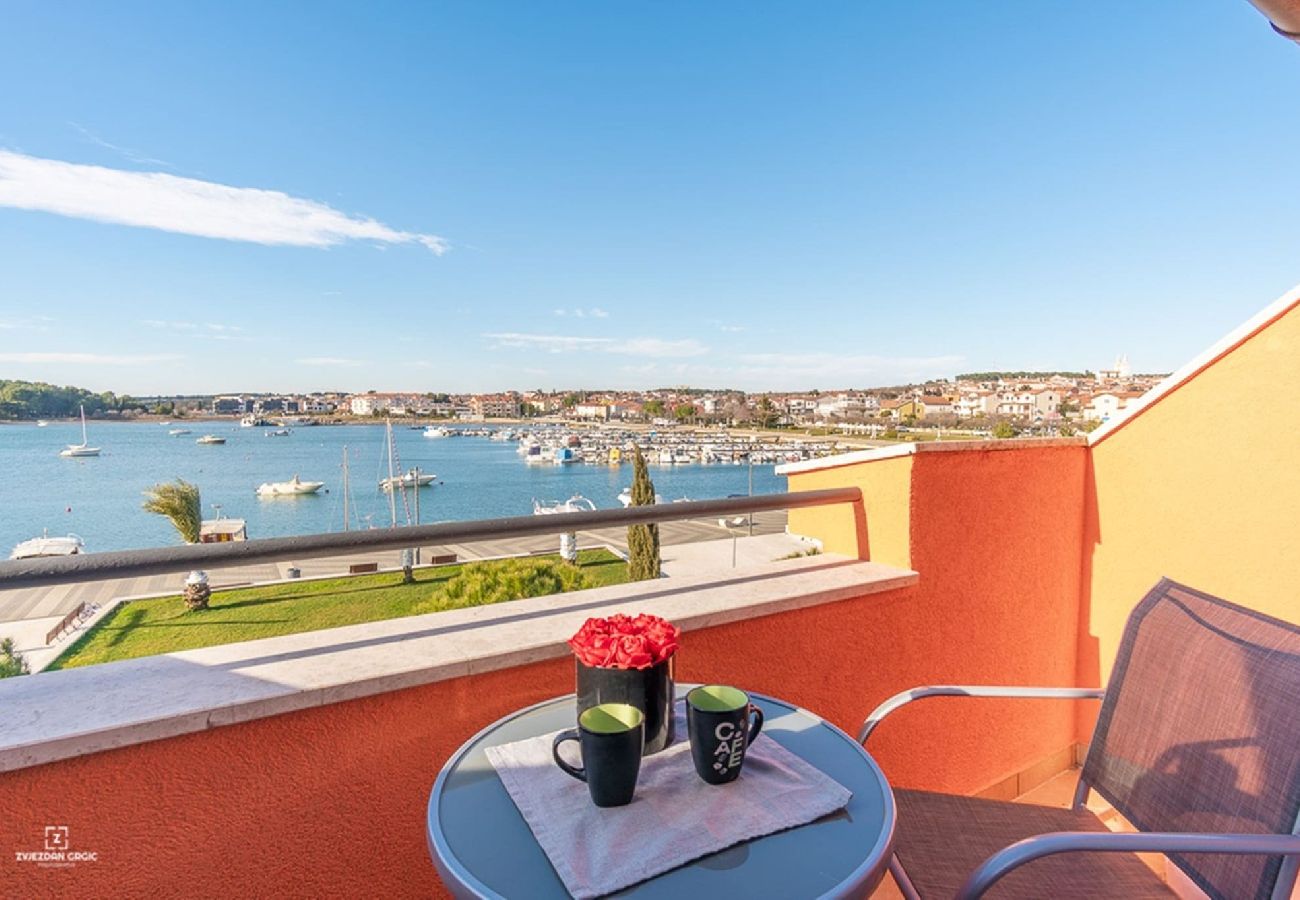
column 476, row 196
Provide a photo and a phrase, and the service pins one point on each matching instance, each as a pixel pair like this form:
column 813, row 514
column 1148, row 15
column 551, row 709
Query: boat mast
column 392, row 490
column 84, row 439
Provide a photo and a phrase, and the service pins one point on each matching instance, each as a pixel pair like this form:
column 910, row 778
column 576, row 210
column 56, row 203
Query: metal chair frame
column 1018, row 854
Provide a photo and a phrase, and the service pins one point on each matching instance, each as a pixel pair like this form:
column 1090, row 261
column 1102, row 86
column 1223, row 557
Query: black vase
column 649, row 690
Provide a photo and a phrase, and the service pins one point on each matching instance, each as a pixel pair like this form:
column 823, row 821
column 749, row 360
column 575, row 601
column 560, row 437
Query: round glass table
column 482, row 847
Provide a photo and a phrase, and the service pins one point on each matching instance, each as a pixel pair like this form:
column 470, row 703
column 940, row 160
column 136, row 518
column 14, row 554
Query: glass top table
column 482, row 847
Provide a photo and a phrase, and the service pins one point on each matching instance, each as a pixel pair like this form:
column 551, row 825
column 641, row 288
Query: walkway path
column 55, row 601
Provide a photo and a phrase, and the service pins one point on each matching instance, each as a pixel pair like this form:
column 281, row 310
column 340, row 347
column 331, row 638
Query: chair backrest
column 1200, row 730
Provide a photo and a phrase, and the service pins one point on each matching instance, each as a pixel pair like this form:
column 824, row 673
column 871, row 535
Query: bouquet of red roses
column 625, row 642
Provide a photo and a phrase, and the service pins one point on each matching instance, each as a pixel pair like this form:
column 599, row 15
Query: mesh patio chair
column 1197, row 745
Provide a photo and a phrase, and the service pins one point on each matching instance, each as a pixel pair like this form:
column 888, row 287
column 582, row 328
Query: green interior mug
column 611, row 737
column 718, row 722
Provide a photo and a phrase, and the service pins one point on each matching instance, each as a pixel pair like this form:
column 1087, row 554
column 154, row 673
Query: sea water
column 99, row 498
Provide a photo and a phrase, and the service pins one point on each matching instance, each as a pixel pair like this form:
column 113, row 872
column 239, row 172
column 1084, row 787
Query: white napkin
column 674, row 816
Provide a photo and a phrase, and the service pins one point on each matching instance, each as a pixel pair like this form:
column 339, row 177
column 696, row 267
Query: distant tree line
column 994, row 376
column 37, row 400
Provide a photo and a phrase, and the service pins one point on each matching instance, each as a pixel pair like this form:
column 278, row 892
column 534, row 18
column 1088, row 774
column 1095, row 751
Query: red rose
column 625, row 642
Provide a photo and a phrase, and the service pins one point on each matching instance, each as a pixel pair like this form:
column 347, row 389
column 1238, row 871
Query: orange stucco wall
column 995, row 535
column 1200, row 490
column 1202, row 486
column 843, row 528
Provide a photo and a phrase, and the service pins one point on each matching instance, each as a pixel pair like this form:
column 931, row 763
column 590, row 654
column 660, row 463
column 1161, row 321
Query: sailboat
column 84, row 448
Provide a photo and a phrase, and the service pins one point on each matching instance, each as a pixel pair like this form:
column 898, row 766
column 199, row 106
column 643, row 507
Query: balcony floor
column 1059, row 791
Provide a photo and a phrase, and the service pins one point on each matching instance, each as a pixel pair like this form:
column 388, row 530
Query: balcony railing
column 162, row 560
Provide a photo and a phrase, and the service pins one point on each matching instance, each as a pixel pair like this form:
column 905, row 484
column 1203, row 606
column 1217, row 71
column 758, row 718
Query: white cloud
column 328, row 361
column 594, row 312
column 554, row 343
column 186, row 205
column 211, row 331
column 95, row 359
column 127, row 152
column 26, row 323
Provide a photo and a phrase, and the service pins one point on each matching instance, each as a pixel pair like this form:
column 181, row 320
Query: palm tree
column 179, row 501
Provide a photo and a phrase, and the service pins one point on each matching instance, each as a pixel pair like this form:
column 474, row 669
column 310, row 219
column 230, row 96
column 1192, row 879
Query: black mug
column 717, row 719
column 611, row 737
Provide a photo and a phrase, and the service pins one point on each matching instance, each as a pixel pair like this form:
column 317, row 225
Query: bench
column 67, row 622
column 363, row 568
column 442, row 559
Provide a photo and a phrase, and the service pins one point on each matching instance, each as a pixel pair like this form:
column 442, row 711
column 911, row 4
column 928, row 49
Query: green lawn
column 148, row 627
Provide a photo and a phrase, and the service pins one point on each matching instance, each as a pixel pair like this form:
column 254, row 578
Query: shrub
column 514, row 579
column 11, row 661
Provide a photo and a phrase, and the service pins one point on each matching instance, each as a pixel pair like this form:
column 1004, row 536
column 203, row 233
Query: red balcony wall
column 994, row 532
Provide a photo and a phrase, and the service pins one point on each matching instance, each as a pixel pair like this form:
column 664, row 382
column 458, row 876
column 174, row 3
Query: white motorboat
column 279, row 432
column 84, row 448
column 45, row 545
column 211, row 439
column 41, row 423
column 625, row 497
column 252, row 422
column 576, row 503
column 294, row 487
column 409, row 479
column 177, row 432
column 437, row 431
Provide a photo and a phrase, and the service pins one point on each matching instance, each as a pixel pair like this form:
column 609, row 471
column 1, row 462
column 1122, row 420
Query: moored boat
column 625, row 497
column 576, row 503
column 70, row 545
column 177, row 432
column 294, row 487
column 211, row 439
column 406, row 480
column 84, row 448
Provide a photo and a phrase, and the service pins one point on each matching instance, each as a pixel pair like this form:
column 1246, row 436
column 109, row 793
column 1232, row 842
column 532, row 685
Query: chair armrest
column 1021, row 852
column 967, row 690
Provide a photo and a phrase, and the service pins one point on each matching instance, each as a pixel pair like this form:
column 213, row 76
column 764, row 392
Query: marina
column 482, row 471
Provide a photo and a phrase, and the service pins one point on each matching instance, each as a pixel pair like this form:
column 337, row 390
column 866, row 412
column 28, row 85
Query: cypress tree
column 642, row 540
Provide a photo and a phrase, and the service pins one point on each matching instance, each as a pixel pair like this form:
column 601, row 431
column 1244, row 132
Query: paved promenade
column 50, row 603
